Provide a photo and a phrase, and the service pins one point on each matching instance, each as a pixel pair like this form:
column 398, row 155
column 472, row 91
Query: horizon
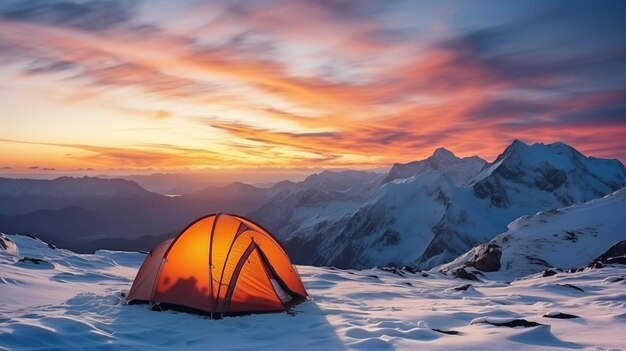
column 265, row 91
column 156, row 181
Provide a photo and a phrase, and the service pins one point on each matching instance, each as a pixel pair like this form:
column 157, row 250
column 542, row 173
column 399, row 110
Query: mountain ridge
column 523, row 180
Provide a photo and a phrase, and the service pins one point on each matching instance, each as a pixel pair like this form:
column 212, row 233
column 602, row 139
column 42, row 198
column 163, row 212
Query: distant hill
column 75, row 211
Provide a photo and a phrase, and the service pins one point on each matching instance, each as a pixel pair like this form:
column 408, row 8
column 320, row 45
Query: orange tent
column 221, row 264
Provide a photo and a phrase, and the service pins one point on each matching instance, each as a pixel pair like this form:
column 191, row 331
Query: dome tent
column 221, row 264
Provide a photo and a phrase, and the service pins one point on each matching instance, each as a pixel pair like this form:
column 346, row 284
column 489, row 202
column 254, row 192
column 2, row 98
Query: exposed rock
column 393, row 270
column 33, row 260
column 463, row 274
column 595, row 265
column 572, row 286
column 411, row 269
column 462, row 287
column 52, row 246
column 495, row 192
column 616, row 254
column 486, row 258
column 551, row 179
column 514, row 323
column 559, row 315
column 7, row 244
column 616, row 260
column 389, row 238
column 449, row 332
column 616, row 250
column 548, row 273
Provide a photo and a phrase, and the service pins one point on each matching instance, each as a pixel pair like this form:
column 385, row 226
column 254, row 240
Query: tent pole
column 217, row 215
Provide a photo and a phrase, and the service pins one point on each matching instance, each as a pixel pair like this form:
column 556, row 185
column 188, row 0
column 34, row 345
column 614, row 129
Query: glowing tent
column 221, row 264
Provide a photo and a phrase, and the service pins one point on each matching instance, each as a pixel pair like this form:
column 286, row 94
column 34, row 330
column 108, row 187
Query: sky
column 176, row 86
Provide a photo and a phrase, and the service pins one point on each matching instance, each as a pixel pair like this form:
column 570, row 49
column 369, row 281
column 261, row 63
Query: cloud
column 92, row 15
column 331, row 82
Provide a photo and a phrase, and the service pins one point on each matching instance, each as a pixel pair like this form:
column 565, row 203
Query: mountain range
column 423, row 213
column 428, row 212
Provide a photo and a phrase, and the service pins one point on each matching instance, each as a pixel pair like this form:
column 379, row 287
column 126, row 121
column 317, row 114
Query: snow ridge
column 428, row 212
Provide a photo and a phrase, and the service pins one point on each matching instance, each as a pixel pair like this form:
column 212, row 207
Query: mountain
column 82, row 213
column 563, row 238
column 555, row 173
column 18, row 196
column 435, row 215
column 297, row 208
column 235, row 197
column 459, row 170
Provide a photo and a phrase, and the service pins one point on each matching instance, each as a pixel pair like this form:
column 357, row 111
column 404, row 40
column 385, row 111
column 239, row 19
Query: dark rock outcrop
column 560, row 315
column 463, row 274
column 572, row 287
column 616, row 250
column 616, row 254
column 462, row 287
column 516, row 323
column 449, row 332
column 393, row 270
column 37, row 261
column 486, row 258
column 616, row 260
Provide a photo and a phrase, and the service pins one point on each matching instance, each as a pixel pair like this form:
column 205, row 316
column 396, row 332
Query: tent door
column 282, row 291
column 282, row 294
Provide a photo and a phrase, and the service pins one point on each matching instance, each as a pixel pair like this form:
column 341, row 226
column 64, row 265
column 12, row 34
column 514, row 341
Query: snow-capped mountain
column 459, row 170
column 435, row 215
column 554, row 173
column 298, row 208
column 563, row 238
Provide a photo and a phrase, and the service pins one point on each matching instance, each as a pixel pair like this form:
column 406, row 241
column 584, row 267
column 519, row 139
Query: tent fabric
column 220, row 264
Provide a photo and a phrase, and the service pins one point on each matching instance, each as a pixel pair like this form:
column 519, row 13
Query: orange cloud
column 384, row 100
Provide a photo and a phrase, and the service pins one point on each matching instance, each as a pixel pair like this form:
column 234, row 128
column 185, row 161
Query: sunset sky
column 181, row 86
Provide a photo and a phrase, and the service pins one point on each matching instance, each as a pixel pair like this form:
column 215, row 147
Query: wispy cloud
column 335, row 83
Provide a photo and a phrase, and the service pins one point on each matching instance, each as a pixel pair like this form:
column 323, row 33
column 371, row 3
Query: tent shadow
column 136, row 326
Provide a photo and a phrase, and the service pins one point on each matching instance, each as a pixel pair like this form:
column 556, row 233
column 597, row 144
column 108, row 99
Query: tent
column 221, row 264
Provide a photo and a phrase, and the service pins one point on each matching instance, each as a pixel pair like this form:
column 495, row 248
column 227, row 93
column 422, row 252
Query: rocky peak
column 443, row 154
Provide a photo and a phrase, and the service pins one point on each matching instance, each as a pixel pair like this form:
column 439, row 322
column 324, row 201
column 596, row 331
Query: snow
column 75, row 303
column 564, row 238
column 459, row 170
column 428, row 212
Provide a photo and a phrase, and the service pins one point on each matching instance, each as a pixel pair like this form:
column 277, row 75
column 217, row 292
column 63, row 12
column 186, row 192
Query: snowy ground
column 74, row 303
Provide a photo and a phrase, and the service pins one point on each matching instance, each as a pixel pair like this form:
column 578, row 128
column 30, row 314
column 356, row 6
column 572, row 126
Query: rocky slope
column 564, row 238
column 434, row 215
